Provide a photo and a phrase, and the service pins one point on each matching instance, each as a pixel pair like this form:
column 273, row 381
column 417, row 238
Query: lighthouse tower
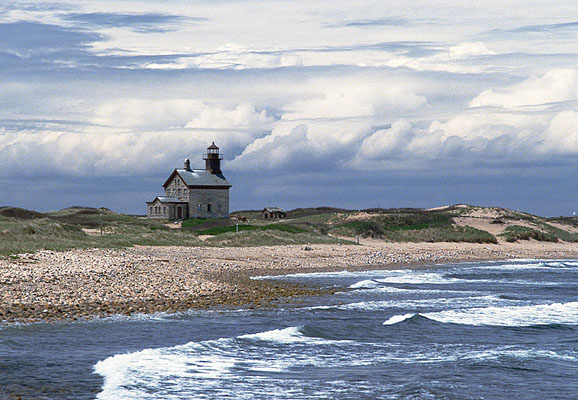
column 213, row 159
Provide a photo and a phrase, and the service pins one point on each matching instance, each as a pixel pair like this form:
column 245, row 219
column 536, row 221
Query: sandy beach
column 51, row 286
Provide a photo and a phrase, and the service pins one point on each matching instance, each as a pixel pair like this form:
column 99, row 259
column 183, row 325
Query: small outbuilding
column 273, row 213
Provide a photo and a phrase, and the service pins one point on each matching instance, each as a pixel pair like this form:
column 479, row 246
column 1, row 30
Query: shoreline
column 55, row 286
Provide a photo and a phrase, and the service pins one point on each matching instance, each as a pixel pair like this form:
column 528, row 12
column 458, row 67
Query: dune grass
column 513, row 233
column 77, row 227
column 270, row 237
column 380, row 225
column 245, row 227
column 67, row 230
column 190, row 223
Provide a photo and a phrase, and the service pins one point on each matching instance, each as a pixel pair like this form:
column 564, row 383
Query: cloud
column 561, row 27
column 30, row 38
column 166, row 114
column 387, row 143
column 231, row 56
column 139, row 22
column 93, row 152
column 148, row 114
column 293, row 150
column 468, row 49
column 354, row 97
column 561, row 136
column 242, row 116
column 335, row 104
column 554, row 86
column 386, row 21
column 322, row 145
column 331, row 90
column 37, row 7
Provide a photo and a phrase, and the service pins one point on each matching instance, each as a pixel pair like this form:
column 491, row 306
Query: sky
column 312, row 103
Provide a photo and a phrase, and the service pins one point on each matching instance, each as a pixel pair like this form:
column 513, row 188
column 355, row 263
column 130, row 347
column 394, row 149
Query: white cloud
column 153, row 114
column 561, row 136
column 310, row 93
column 468, row 49
column 554, row 86
column 387, row 142
column 335, row 104
column 242, row 116
column 354, row 97
column 471, row 125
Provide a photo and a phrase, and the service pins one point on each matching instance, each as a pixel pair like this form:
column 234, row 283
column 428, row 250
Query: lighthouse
column 213, row 159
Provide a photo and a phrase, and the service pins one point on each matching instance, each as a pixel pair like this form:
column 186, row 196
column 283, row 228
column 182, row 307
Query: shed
column 273, row 213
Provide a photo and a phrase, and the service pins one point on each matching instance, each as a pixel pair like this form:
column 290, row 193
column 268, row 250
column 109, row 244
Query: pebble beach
column 51, row 286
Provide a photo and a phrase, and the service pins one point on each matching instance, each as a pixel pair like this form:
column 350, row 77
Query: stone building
column 194, row 193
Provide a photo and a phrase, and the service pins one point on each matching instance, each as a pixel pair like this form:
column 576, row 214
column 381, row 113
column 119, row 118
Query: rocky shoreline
column 51, row 286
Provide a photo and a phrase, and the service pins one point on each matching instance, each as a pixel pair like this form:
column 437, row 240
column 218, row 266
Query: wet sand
column 52, row 286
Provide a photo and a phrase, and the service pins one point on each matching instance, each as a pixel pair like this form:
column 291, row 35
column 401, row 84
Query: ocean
column 492, row 330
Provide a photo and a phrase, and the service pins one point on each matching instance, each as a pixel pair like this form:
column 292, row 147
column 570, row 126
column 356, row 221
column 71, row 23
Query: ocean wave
column 530, row 315
column 252, row 366
column 338, row 274
column 398, row 318
column 365, row 284
column 570, row 263
column 417, row 304
column 199, row 368
column 285, row 336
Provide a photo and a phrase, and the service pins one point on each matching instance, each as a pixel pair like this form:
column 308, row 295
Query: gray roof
column 273, row 209
column 202, row 177
column 166, row 199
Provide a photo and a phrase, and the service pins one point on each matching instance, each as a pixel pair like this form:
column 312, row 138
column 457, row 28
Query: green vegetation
column 452, row 233
column 77, row 227
column 415, row 227
column 560, row 233
column 270, row 237
column 380, row 225
column 514, row 233
column 190, row 223
column 232, row 228
column 81, row 228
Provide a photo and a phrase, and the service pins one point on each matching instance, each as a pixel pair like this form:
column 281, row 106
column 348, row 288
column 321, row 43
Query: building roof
column 166, row 199
column 272, row 209
column 199, row 177
column 213, row 146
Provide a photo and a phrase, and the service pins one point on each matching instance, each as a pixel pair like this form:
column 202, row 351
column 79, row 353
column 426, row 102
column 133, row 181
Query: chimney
column 187, row 164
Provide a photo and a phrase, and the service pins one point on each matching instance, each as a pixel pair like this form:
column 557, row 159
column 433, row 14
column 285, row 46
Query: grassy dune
column 22, row 231
column 77, row 227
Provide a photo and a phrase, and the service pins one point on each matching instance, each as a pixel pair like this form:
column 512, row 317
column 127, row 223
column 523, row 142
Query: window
column 199, row 208
column 209, row 208
column 179, row 193
column 151, row 210
column 165, row 210
column 218, row 208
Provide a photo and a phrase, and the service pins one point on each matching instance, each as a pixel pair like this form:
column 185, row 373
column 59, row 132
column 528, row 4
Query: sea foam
column 541, row 314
